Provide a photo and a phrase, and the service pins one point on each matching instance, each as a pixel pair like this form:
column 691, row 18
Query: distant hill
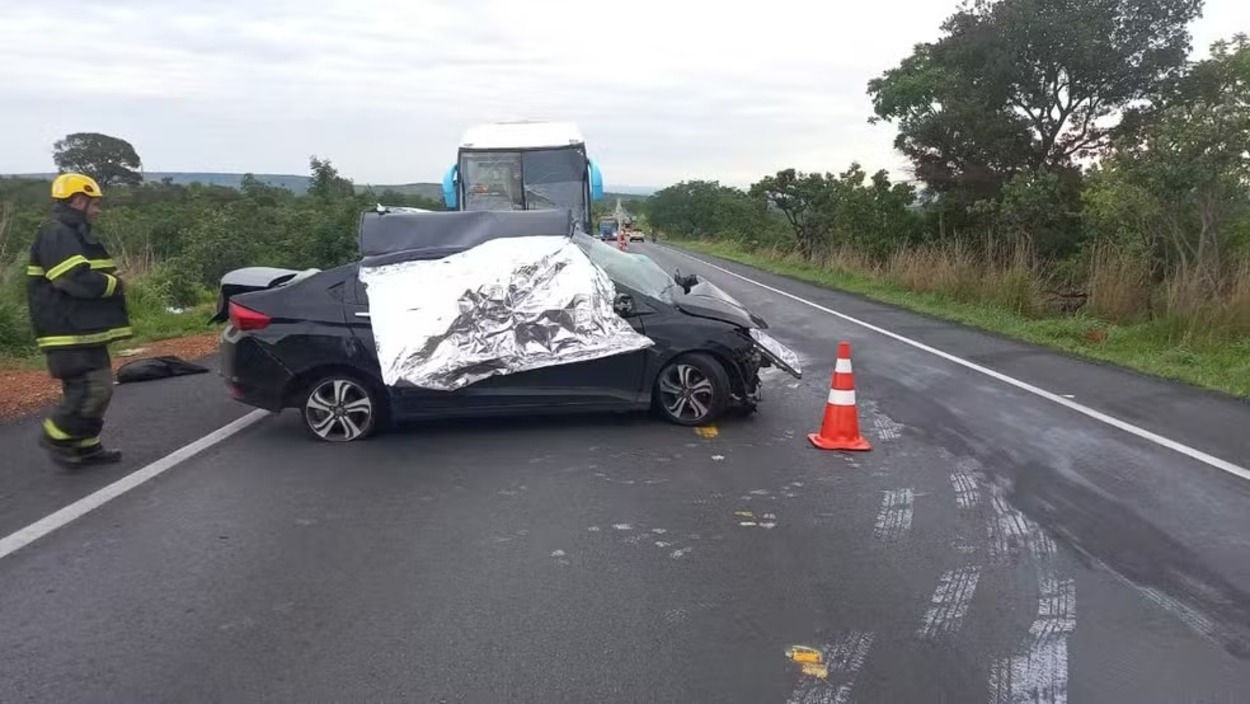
column 299, row 184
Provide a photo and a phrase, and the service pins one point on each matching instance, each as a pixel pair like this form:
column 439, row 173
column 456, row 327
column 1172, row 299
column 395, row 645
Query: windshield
column 527, row 180
column 635, row 271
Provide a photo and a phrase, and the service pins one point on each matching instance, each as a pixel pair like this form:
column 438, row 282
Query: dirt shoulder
column 25, row 390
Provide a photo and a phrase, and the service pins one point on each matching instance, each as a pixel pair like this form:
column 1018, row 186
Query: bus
column 524, row 166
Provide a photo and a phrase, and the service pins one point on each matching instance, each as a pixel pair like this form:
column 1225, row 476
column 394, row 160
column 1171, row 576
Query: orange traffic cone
column 840, row 428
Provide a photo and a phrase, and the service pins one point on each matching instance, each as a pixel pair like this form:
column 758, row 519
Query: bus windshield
column 525, row 180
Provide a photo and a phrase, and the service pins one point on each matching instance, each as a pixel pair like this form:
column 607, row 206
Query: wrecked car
column 459, row 314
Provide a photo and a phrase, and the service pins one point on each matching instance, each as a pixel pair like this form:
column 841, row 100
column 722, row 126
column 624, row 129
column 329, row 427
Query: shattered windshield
column 635, row 271
column 527, row 180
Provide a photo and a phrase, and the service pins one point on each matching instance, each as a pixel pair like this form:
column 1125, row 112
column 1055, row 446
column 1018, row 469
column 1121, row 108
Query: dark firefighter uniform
column 77, row 306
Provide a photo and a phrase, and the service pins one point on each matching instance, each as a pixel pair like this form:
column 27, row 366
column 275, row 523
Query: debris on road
column 809, row 659
column 24, row 391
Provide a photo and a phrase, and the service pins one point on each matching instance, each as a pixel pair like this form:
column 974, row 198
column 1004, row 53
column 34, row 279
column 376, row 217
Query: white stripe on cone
column 843, row 366
column 838, row 397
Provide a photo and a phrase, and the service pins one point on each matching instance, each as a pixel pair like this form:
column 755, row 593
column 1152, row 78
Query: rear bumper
column 252, row 376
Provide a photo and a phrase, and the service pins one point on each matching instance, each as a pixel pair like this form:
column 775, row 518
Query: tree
column 326, row 182
column 1188, row 165
column 108, row 160
column 803, row 200
column 1027, row 85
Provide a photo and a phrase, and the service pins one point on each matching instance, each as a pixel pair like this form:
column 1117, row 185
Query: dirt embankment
column 25, row 390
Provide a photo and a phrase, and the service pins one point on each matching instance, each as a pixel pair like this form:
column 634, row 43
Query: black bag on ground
column 156, row 368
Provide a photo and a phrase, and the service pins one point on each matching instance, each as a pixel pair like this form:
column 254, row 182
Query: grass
column 1003, row 301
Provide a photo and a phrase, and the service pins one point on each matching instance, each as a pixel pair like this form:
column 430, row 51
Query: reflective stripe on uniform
column 110, row 286
column 33, row 270
column 89, row 442
column 96, row 338
column 54, row 432
column 65, row 266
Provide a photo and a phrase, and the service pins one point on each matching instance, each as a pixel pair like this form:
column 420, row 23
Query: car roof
column 406, row 235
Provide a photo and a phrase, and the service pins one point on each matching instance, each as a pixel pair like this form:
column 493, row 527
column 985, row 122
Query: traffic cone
column 840, row 428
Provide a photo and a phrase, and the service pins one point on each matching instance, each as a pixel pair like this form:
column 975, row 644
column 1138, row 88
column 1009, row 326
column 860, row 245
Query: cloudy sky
column 663, row 89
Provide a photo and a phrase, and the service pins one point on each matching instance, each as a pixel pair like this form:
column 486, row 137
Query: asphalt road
column 994, row 546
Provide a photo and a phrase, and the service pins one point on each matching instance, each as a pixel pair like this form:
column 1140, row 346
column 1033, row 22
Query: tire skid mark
column 1037, row 672
column 950, row 602
column 894, row 519
column 844, row 658
column 967, row 495
column 1040, row 674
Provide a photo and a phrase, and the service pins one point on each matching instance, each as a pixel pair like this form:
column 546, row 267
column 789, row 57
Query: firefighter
column 77, row 307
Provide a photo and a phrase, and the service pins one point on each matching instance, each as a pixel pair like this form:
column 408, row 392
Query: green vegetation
column 173, row 242
column 1146, row 345
column 1081, row 184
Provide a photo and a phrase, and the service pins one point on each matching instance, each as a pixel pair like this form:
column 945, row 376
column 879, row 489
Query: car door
column 406, row 400
column 608, row 382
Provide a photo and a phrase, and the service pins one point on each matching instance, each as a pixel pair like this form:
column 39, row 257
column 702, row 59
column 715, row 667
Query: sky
column 664, row 90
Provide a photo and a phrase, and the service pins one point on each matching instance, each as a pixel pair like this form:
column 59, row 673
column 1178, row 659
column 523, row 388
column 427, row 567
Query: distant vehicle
column 637, row 236
column 524, row 166
column 608, row 227
column 304, row 340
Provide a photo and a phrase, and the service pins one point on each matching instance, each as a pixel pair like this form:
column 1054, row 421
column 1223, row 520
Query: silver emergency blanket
column 504, row 306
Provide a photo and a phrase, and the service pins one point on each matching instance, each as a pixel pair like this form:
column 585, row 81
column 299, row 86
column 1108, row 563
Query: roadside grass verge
column 1004, row 302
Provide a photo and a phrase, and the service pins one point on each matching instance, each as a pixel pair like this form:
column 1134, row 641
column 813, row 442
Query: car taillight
column 246, row 318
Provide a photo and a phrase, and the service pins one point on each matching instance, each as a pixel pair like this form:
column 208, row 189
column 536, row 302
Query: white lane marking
column 16, row 541
column 950, row 602
column 894, row 519
column 1041, row 673
column 1191, row 452
column 844, row 660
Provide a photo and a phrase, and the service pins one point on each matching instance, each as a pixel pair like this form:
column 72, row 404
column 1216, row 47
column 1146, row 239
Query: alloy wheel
column 339, row 410
column 686, row 392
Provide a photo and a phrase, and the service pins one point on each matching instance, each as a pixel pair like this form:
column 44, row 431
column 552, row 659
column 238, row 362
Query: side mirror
column 623, row 305
column 449, row 187
column 686, row 281
column 596, row 181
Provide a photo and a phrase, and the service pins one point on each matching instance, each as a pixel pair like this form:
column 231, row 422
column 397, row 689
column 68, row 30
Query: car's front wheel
column 692, row 390
column 341, row 408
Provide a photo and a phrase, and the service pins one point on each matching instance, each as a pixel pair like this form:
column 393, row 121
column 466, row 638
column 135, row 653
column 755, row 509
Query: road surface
column 998, row 544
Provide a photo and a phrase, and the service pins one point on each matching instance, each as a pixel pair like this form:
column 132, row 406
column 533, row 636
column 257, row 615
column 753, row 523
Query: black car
column 304, row 340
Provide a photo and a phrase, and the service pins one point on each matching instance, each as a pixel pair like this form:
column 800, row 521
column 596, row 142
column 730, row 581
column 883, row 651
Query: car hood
column 706, row 300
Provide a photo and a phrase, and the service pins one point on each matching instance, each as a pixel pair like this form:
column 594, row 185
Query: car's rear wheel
column 341, row 408
column 692, row 390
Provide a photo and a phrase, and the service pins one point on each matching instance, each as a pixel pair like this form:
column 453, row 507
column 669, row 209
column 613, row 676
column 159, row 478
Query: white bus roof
column 521, row 135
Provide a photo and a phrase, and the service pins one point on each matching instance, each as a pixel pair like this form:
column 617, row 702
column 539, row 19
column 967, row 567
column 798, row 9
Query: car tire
column 691, row 390
column 342, row 407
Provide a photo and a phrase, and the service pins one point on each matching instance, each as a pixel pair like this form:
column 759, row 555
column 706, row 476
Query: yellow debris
column 802, row 653
column 744, row 514
column 706, row 431
column 815, row 670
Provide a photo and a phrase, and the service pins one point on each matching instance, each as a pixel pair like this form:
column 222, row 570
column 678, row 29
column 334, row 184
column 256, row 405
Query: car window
column 635, row 271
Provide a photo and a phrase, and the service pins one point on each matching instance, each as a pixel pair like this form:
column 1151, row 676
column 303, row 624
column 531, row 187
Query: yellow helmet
column 66, row 185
